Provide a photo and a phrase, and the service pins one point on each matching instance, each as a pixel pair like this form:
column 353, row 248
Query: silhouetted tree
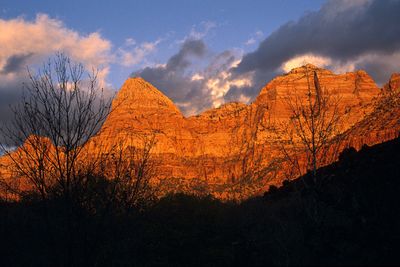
column 61, row 109
column 314, row 121
column 130, row 165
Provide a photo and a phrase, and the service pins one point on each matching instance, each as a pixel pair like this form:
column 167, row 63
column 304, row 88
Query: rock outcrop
column 212, row 150
column 204, row 146
column 393, row 84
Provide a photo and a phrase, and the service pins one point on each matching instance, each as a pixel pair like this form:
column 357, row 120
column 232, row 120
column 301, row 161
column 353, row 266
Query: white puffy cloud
column 219, row 84
column 380, row 65
column 298, row 61
column 26, row 43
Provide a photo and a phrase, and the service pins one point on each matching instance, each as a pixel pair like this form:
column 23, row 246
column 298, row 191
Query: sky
column 201, row 54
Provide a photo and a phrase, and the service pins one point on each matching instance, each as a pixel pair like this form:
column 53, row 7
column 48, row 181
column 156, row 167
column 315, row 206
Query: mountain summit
column 200, row 147
column 139, row 108
column 139, row 95
column 222, row 144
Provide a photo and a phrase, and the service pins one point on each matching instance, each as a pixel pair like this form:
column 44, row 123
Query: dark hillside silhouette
column 349, row 216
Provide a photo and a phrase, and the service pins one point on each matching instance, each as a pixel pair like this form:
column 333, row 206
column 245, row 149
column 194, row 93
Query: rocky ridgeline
column 220, row 145
column 202, row 146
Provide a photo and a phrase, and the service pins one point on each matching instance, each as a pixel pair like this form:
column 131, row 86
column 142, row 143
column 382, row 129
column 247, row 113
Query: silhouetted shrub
column 348, row 154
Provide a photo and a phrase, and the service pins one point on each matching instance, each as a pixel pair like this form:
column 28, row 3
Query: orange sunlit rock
column 219, row 145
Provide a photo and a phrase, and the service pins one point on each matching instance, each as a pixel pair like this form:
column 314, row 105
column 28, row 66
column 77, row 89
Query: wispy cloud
column 206, row 26
column 132, row 54
column 254, row 38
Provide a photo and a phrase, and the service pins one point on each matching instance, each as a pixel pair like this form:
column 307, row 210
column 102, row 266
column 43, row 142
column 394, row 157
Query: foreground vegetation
column 350, row 216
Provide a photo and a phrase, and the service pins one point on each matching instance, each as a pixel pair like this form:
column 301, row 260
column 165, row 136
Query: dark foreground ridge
column 349, row 216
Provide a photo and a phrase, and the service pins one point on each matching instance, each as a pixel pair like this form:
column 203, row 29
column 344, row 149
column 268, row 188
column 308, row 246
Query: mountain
column 393, row 84
column 382, row 124
column 217, row 150
column 356, row 90
column 204, row 147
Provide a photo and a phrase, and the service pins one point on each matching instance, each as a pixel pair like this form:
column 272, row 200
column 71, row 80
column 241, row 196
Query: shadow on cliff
column 350, row 216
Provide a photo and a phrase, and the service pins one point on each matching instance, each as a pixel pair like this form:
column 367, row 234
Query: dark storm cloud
column 10, row 95
column 235, row 92
column 222, row 61
column 180, row 61
column 175, row 85
column 340, row 30
column 15, row 63
column 381, row 67
column 172, row 80
column 347, row 32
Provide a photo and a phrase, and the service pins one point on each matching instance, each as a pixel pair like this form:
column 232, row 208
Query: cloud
column 193, row 91
column 380, row 65
column 132, row 54
column 25, row 43
column 254, row 38
column 28, row 43
column 31, row 42
column 342, row 36
column 342, row 32
column 181, row 60
column 250, row 41
column 15, row 63
column 200, row 34
column 302, row 60
column 172, row 79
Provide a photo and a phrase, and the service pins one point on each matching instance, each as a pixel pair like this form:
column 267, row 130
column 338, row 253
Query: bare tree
column 314, row 121
column 248, row 154
column 132, row 168
column 61, row 109
column 58, row 158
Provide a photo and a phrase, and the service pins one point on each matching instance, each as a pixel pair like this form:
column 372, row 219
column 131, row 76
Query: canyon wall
column 215, row 151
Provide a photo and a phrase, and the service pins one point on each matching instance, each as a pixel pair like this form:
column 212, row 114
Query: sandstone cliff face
column 354, row 90
column 212, row 150
column 205, row 145
column 393, row 84
column 381, row 125
column 140, row 109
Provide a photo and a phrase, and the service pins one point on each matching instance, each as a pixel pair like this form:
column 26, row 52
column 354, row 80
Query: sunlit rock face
column 139, row 110
column 382, row 124
column 182, row 144
column 202, row 146
column 393, row 84
column 354, row 91
column 214, row 149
